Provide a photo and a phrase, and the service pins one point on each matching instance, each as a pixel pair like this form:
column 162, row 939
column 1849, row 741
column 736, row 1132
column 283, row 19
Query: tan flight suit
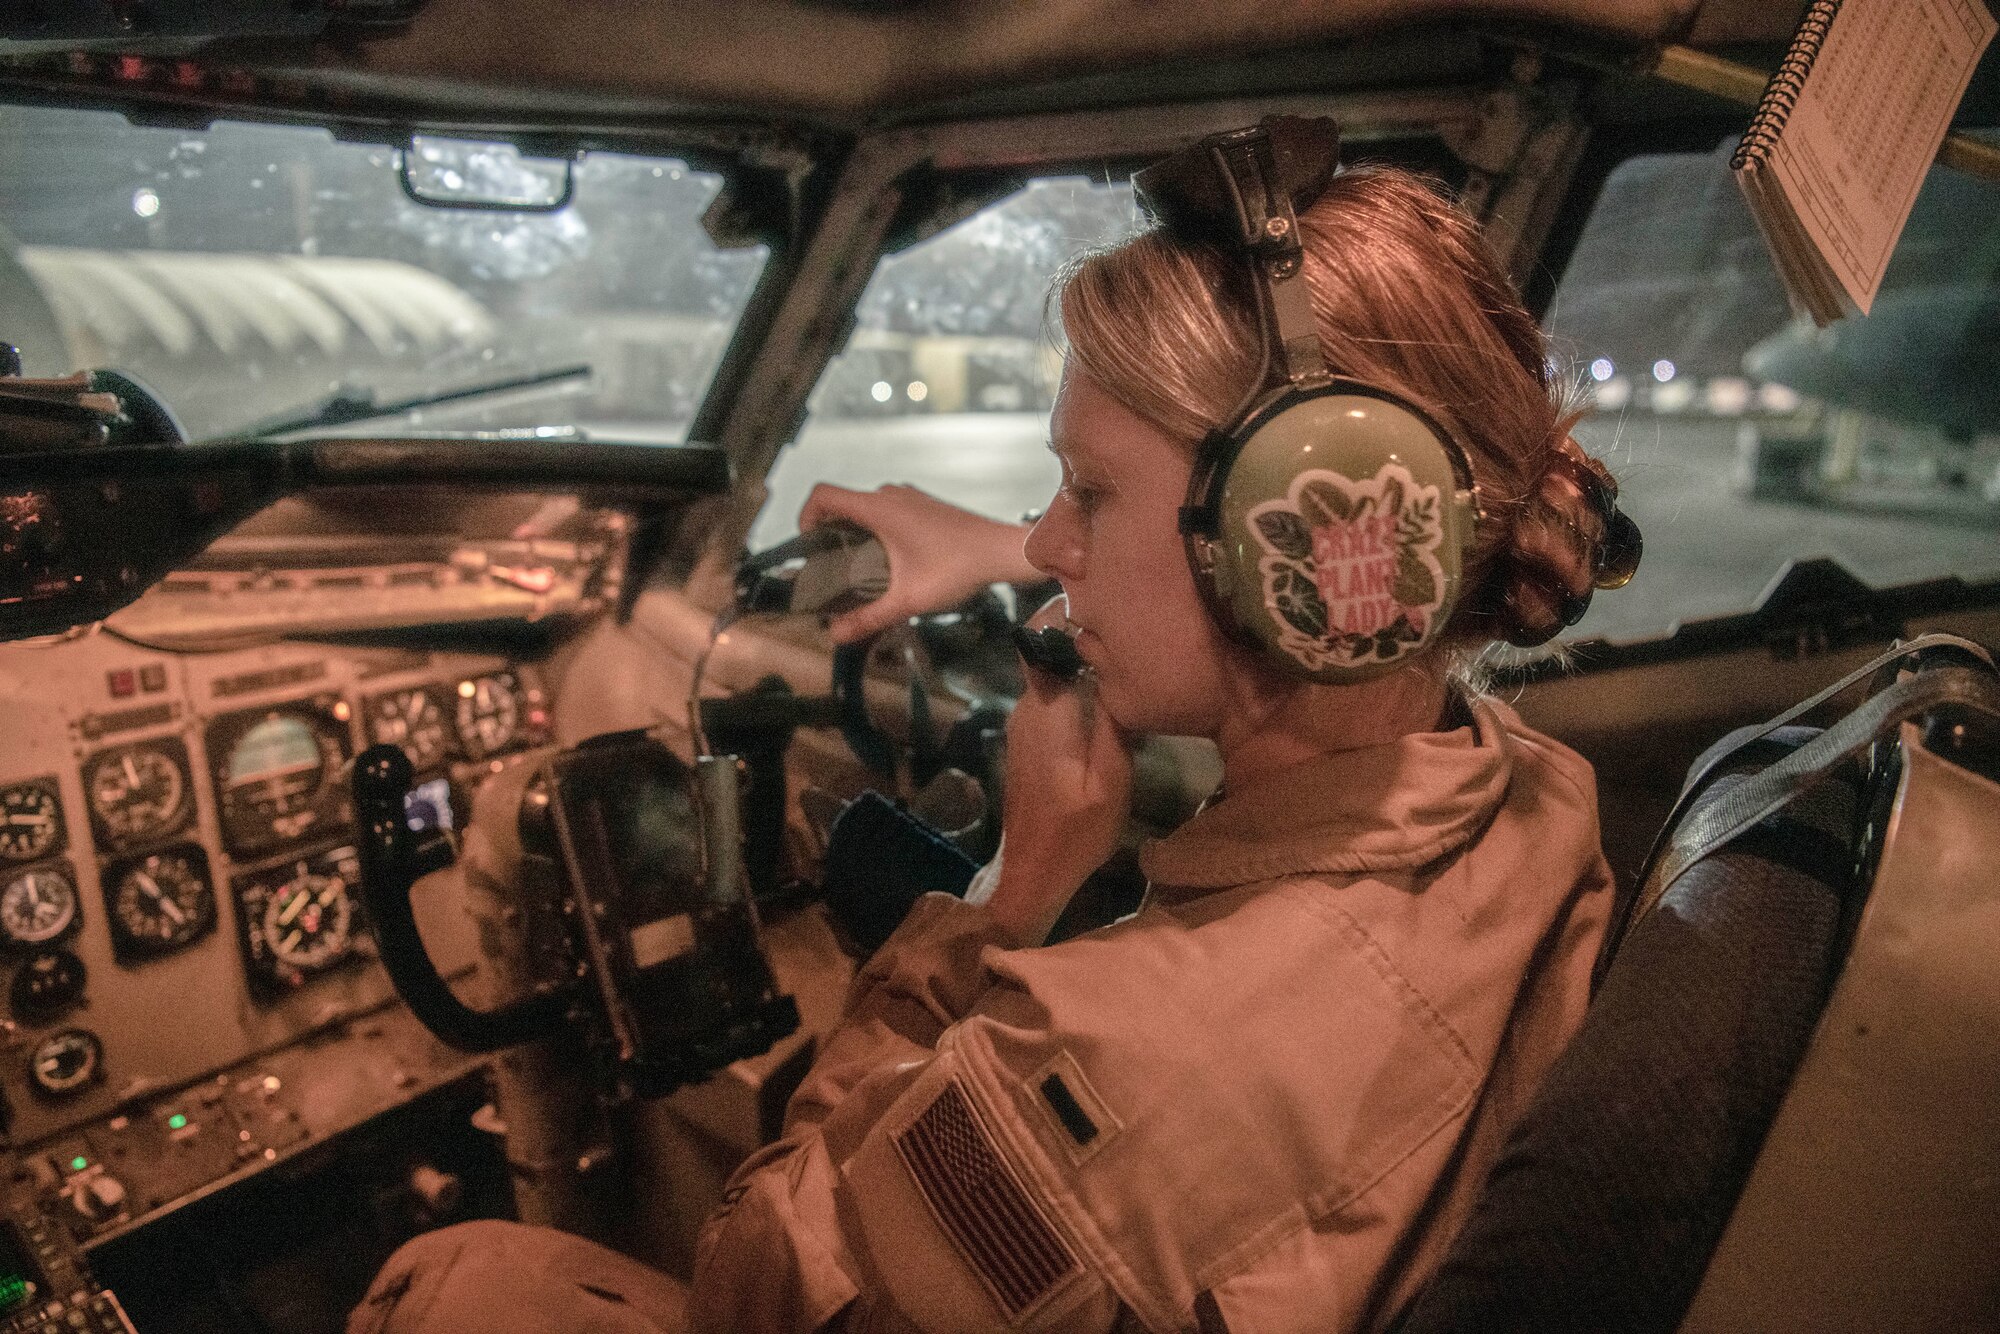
column 1262, row 1103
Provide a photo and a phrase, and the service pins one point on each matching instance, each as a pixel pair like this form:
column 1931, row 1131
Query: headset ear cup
column 1341, row 521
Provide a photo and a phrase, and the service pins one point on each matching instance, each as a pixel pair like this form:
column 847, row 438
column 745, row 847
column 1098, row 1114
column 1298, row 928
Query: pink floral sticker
column 1350, row 568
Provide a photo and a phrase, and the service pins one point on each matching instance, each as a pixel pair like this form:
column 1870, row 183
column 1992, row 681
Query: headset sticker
column 1350, row 568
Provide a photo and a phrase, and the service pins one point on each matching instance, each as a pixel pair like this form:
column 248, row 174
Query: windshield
column 1744, row 439
column 252, row 274
column 947, row 380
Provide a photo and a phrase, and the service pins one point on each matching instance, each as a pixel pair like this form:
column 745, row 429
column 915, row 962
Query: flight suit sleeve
column 890, row 1190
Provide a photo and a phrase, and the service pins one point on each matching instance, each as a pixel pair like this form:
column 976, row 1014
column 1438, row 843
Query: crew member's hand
column 939, row 554
column 1069, row 790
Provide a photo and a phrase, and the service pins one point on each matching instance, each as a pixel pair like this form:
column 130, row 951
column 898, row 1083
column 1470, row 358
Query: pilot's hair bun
column 1568, row 539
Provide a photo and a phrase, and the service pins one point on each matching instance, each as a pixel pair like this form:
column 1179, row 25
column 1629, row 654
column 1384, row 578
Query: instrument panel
column 177, row 865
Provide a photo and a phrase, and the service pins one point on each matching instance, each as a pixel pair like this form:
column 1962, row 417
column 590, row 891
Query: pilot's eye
column 1085, row 493
column 1084, row 496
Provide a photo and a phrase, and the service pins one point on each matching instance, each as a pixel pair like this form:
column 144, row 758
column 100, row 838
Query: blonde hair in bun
column 1408, row 298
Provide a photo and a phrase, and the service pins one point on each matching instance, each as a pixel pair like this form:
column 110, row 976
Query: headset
column 1330, row 522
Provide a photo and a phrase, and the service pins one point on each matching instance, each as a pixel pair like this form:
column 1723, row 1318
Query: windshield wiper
column 344, row 405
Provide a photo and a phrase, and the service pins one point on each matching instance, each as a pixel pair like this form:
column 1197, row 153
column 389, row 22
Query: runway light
column 1663, row 370
column 918, row 391
column 145, row 202
column 1602, row 369
column 881, row 392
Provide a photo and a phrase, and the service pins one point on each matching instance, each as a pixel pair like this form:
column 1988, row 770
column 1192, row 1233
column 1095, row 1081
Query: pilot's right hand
column 1069, row 793
column 939, row 555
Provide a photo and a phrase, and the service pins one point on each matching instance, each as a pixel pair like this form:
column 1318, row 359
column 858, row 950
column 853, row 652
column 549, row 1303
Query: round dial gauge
column 136, row 792
column 413, row 720
column 488, row 714
column 46, row 985
column 162, row 902
column 30, row 822
column 66, row 1062
column 309, row 920
column 37, row 905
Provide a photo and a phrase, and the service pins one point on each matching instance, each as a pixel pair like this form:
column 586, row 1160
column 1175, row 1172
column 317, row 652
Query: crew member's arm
column 939, row 554
column 885, row 1110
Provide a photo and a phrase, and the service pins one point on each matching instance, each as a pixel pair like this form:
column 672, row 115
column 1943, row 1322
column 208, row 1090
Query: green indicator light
column 176, row 1121
column 78, row 1163
column 13, row 1291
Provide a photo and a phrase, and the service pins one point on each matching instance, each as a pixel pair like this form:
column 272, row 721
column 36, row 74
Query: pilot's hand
column 1069, row 790
column 939, row 554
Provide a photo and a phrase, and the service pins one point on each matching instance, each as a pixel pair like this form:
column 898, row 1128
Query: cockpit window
column 1745, row 439
column 259, row 274
column 948, row 377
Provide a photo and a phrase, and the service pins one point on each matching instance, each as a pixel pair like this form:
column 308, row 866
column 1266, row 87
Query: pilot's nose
column 1055, row 544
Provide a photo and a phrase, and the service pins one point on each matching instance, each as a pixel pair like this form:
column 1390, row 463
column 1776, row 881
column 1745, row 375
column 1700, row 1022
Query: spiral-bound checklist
column 1837, row 150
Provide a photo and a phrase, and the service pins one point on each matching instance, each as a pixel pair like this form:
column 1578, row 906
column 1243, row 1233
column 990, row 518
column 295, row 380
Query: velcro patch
column 1067, row 1109
column 980, row 1205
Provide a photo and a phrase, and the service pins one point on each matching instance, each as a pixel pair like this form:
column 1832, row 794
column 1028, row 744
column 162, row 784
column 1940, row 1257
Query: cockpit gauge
column 47, row 984
column 413, row 719
column 37, row 905
column 31, row 823
column 159, row 903
column 66, row 1063
column 488, row 714
column 298, row 920
column 138, row 792
column 307, row 922
column 279, row 773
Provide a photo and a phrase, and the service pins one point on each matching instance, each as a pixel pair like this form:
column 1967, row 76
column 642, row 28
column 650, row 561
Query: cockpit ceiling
column 851, row 62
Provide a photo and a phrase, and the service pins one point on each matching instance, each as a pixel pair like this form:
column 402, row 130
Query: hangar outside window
column 248, row 273
column 1744, row 439
column 948, row 377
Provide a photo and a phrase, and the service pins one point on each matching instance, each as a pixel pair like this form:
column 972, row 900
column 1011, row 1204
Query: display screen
column 276, row 745
column 428, row 806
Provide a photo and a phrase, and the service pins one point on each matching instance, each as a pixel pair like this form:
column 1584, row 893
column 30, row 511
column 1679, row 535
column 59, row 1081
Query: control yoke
column 633, row 891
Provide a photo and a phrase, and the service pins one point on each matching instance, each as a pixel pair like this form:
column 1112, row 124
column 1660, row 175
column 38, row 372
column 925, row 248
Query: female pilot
column 1267, row 1099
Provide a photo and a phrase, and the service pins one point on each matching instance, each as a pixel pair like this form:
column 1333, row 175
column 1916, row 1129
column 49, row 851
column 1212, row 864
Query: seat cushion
column 1604, row 1208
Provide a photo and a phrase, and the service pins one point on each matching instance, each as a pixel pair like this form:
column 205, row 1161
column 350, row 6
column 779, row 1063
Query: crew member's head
column 1164, row 344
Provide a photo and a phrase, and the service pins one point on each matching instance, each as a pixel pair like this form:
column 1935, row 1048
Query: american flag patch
column 980, row 1205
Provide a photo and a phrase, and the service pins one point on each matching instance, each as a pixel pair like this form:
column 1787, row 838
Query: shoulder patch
column 980, row 1204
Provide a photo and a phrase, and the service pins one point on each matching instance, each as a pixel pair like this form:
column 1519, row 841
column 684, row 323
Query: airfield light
column 881, row 392
column 1663, row 370
column 1602, row 369
column 145, row 202
column 1777, row 398
column 918, row 391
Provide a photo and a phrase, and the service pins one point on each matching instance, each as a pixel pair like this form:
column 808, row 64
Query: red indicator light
column 131, row 67
column 123, row 682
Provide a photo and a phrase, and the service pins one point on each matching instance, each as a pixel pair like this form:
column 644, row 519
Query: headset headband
column 1243, row 190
